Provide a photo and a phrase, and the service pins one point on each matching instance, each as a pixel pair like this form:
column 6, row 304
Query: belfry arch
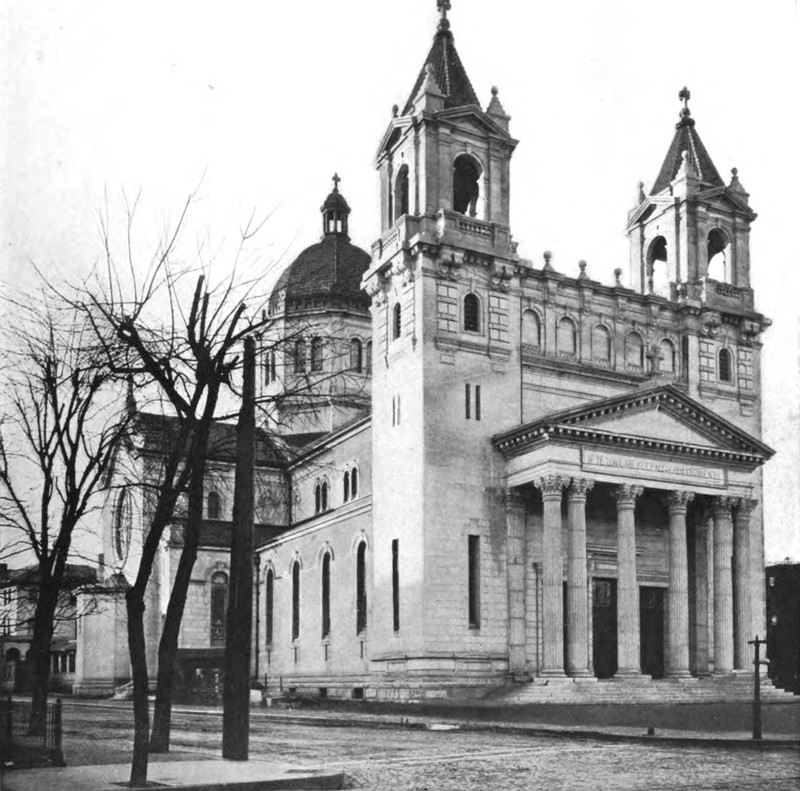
column 466, row 185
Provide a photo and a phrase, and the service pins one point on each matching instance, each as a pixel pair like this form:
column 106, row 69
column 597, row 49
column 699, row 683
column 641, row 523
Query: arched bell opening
column 718, row 248
column 658, row 268
column 401, row 193
column 466, row 185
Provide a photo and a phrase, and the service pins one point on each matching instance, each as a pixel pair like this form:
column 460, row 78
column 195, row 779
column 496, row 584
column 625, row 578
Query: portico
column 615, row 526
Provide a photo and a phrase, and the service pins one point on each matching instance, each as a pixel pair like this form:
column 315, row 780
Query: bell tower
column 692, row 230
column 446, row 369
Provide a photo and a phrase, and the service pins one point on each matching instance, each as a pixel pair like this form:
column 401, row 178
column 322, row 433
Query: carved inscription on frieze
column 654, row 469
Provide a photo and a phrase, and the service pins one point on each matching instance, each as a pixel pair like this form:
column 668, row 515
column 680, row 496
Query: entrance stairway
column 711, row 689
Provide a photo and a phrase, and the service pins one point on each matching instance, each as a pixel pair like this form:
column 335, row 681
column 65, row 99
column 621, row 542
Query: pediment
column 472, row 119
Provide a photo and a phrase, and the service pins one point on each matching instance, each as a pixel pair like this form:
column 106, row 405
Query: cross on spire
column 444, row 6
column 336, row 181
column 686, row 114
column 684, row 95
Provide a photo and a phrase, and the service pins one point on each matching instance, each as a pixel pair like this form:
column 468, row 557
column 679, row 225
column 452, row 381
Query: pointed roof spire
column 448, row 71
column 687, row 140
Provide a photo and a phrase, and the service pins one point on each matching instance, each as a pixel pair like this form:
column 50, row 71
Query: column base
column 552, row 673
column 678, row 674
column 583, row 673
column 630, row 675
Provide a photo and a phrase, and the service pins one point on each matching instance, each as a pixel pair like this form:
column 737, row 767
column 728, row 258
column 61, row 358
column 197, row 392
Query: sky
column 252, row 106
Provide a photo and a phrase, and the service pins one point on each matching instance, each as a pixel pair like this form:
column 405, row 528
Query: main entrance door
column 651, row 620
column 604, row 627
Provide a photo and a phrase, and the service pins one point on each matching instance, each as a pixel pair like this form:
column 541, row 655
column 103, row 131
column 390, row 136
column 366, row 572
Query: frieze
column 654, row 469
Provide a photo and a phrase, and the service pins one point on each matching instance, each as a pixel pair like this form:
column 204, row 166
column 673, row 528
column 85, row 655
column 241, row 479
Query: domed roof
column 330, row 269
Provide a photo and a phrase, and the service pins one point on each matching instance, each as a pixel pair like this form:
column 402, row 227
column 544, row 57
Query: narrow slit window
column 725, row 372
column 269, row 597
column 361, row 588
column 474, row 580
column 295, row 601
column 477, row 402
column 467, row 399
column 326, row 596
column 395, row 585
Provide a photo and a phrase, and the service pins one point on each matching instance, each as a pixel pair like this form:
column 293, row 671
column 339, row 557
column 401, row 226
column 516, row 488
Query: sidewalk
column 201, row 775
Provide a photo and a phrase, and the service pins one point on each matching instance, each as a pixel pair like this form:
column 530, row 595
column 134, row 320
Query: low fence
column 23, row 745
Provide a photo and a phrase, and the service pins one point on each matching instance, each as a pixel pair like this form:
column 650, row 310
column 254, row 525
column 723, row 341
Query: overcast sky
column 260, row 102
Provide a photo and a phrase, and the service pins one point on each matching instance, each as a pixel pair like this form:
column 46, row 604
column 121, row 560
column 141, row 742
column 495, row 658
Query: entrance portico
column 605, row 513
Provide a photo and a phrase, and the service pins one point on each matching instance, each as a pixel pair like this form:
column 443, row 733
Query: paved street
column 404, row 759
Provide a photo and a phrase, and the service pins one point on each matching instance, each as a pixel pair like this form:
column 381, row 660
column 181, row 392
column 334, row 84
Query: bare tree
column 60, row 426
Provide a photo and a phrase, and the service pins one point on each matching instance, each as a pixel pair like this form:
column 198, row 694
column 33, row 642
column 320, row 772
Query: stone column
column 628, row 637
column 551, row 487
column 723, row 593
column 742, row 606
column 577, row 583
column 515, row 570
column 701, row 590
column 678, row 663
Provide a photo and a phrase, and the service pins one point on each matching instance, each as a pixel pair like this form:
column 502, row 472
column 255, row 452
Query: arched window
column 634, row 351
column 667, row 362
column 272, row 368
column 369, row 357
column 472, row 313
column 317, row 497
column 266, row 361
column 685, row 357
column 356, row 355
column 213, row 506
column 123, row 524
column 566, row 337
column 718, row 249
column 219, row 607
column 354, row 483
column 401, row 193
column 466, row 185
column 725, row 367
column 657, row 268
column 346, row 486
column 295, row 600
column 323, row 496
column 299, row 356
column 601, row 344
column 269, row 601
column 396, row 323
column 361, row 587
column 316, row 354
column 326, row 595
column 531, row 329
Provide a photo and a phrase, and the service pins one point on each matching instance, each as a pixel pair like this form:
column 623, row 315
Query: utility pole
column 757, row 686
column 238, row 633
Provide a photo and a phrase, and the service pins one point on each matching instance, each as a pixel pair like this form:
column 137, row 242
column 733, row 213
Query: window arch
column 326, row 595
column 466, row 185
column 368, row 355
column 472, row 313
column 566, row 337
column 356, row 355
column 718, row 250
column 300, row 356
column 219, row 608
column 269, row 602
column 666, row 363
column 317, row 497
column 657, row 267
column 354, row 483
column 346, row 485
column 323, row 495
column 634, row 351
column 401, row 193
column 601, row 344
column 396, row 321
column 725, row 368
column 361, row 587
column 213, row 506
column 316, row 354
column 531, row 328
column 296, row 600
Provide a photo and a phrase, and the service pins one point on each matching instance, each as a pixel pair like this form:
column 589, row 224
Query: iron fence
column 24, row 744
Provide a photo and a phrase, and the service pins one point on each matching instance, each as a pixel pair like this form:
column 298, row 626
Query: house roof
column 75, row 575
column 217, row 534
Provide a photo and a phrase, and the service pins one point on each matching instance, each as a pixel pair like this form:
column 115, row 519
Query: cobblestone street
column 405, row 759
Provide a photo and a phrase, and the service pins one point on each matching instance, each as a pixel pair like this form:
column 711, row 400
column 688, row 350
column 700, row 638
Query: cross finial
column 684, row 95
column 444, row 6
column 336, row 181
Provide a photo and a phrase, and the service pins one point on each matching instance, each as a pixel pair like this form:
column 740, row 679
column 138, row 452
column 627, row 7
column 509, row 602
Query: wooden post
column 238, row 633
column 757, row 686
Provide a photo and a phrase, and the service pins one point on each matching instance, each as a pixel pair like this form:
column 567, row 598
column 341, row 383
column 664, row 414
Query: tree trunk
column 40, row 656
column 141, row 712
column 168, row 645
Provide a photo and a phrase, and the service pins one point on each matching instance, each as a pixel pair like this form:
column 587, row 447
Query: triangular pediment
column 662, row 418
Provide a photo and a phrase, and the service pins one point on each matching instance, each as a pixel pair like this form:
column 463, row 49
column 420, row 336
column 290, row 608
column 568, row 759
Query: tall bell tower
column 446, row 369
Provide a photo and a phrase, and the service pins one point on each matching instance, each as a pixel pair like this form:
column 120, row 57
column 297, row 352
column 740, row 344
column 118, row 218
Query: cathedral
column 508, row 480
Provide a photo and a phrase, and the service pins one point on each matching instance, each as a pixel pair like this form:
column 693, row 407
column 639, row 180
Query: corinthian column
column 551, row 487
column 678, row 654
column 515, row 570
column 723, row 593
column 742, row 605
column 577, row 585
column 628, row 655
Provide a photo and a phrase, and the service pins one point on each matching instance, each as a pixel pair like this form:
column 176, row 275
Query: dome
column 329, row 270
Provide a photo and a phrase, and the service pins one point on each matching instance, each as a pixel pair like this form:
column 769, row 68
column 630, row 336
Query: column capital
column 679, row 501
column 513, row 499
column 744, row 507
column 723, row 506
column 551, row 486
column 579, row 488
column 626, row 494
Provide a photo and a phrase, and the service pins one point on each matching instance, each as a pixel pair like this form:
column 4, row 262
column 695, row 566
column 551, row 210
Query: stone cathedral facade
column 507, row 474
